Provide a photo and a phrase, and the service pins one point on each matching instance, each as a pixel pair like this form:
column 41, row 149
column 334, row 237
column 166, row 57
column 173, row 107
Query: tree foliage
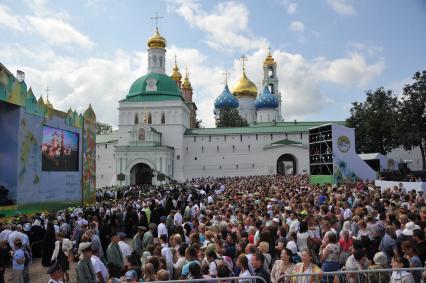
column 103, row 129
column 412, row 115
column 374, row 121
column 229, row 117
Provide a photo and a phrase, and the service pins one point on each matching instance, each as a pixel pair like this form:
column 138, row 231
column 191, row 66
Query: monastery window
column 217, row 149
column 195, row 158
column 286, row 136
column 202, row 149
column 249, row 148
column 204, row 168
column 106, row 146
column 257, row 136
column 233, row 148
column 241, row 138
column 272, row 136
column 149, row 118
column 301, row 135
column 236, row 166
column 224, row 138
column 161, row 61
column 252, row 165
column 271, row 72
column 163, row 118
column 141, row 134
column 220, row 166
column 186, row 149
column 177, row 157
column 210, row 138
column 271, row 88
column 136, row 119
column 99, row 157
column 195, row 139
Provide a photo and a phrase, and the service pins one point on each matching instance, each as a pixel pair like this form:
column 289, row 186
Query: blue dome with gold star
column 226, row 99
column 266, row 100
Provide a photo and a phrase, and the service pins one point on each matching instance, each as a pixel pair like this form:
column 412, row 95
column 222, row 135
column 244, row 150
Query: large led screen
column 59, row 150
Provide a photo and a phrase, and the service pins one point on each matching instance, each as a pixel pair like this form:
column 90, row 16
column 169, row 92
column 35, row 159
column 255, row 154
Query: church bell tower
column 270, row 80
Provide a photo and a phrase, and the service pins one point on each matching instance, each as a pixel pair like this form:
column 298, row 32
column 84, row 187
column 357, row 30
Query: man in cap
column 137, row 241
column 148, row 236
column 85, row 272
column 115, row 257
column 131, row 276
column 56, row 274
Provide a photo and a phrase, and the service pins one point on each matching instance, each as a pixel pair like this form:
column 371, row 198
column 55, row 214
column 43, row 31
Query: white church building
column 157, row 141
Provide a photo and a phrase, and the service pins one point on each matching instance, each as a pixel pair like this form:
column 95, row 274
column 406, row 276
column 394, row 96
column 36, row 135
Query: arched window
column 149, row 118
column 141, row 134
column 161, row 61
column 271, row 72
column 163, row 118
column 271, row 88
column 136, row 119
column 154, row 60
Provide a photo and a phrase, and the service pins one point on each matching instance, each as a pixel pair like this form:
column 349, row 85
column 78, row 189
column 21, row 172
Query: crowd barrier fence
column 235, row 279
column 351, row 276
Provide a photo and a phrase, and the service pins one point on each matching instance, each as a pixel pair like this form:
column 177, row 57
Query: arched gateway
column 286, row 165
column 140, row 174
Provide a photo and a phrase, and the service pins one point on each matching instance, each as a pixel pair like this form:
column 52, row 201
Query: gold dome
column 269, row 60
column 186, row 85
column 156, row 40
column 176, row 75
column 245, row 88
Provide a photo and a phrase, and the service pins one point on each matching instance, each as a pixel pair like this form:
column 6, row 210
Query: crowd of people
column 266, row 226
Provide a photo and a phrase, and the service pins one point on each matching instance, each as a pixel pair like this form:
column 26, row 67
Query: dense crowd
column 267, row 226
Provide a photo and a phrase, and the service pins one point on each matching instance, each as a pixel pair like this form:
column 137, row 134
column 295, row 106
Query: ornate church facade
column 157, row 139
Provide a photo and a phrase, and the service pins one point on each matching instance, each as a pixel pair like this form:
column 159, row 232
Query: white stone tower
column 270, row 80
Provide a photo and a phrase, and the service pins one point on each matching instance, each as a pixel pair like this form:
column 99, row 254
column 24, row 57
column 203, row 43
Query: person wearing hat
column 137, row 241
column 115, row 257
column 56, row 274
column 85, row 272
column 148, row 236
column 380, row 262
column 131, row 276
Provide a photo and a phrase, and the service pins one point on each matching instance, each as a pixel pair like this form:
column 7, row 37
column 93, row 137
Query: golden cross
column 47, row 89
column 156, row 18
column 226, row 74
column 244, row 59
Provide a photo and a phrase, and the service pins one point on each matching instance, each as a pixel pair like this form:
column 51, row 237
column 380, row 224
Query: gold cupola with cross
column 244, row 88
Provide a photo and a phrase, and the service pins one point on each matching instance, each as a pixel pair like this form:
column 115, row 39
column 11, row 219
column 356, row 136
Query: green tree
column 229, row 117
column 412, row 115
column 374, row 121
column 103, row 129
column 198, row 123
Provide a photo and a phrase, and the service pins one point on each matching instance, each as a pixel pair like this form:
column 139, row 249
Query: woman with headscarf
column 48, row 245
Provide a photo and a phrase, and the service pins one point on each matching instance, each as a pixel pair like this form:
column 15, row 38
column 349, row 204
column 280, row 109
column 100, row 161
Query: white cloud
column 297, row 26
column 349, row 71
column 342, row 7
column 226, row 27
column 57, row 32
column 49, row 25
column 290, row 7
column 9, row 20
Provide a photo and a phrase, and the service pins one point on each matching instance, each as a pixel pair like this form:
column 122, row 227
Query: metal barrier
column 248, row 279
column 353, row 276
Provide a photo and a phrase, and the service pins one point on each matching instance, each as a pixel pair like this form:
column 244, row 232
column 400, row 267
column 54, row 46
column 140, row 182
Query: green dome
column 154, row 84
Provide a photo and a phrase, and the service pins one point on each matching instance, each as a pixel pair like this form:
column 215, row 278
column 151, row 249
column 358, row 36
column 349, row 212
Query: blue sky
column 329, row 52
